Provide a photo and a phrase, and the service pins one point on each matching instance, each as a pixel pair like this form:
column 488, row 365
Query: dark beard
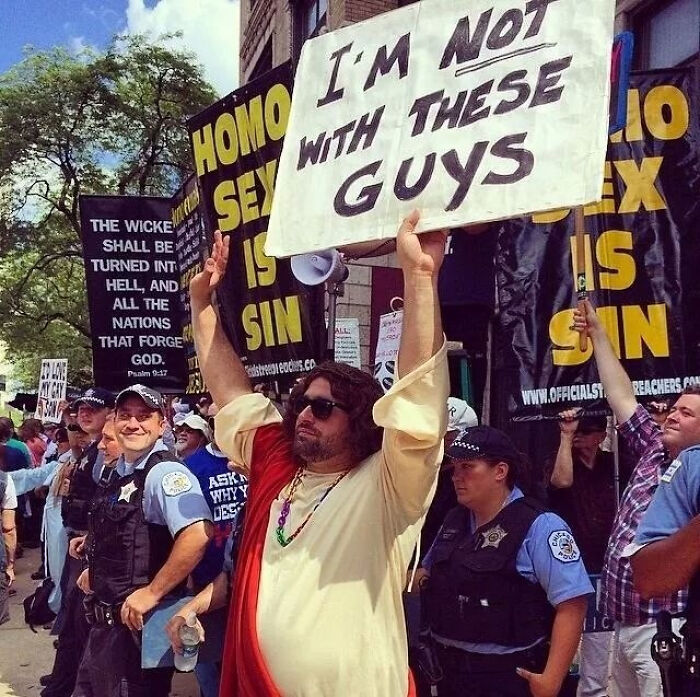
column 311, row 450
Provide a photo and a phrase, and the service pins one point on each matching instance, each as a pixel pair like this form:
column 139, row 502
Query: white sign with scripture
column 347, row 341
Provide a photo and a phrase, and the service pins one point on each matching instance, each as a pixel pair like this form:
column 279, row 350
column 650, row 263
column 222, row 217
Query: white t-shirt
column 10, row 498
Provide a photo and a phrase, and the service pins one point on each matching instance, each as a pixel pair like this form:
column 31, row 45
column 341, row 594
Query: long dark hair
column 355, row 389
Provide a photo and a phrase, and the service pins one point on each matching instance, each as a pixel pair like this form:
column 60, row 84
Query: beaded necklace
column 287, row 505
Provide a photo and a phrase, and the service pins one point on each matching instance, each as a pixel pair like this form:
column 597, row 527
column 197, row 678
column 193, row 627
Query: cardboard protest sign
column 132, row 283
column 388, row 341
column 274, row 322
column 470, row 112
column 52, row 389
column 642, row 256
column 191, row 248
column 347, row 341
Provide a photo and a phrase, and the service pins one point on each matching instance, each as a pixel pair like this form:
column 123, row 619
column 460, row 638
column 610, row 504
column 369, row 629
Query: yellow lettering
column 266, row 175
column 287, row 319
column 607, row 202
column 278, row 103
column 266, row 320
column 633, row 130
column 652, row 330
column 608, row 252
column 251, row 327
column 267, row 266
column 550, row 216
column 204, row 151
column 608, row 317
column 640, row 187
column 226, row 139
column 678, row 110
column 251, row 126
column 226, row 206
column 566, row 340
column 251, row 277
column 248, row 197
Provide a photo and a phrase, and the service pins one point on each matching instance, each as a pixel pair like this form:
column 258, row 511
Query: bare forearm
column 212, row 597
column 566, row 634
column 616, row 382
column 9, row 534
column 563, row 472
column 421, row 334
column 186, row 553
column 222, row 370
column 666, row 566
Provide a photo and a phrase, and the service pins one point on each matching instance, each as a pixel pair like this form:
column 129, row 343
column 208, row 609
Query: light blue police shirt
column 676, row 501
column 172, row 493
column 540, row 560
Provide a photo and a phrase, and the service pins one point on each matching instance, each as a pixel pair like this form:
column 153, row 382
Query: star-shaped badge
column 127, row 491
column 493, row 537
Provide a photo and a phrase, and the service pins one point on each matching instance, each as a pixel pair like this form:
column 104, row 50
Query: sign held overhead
column 471, row 113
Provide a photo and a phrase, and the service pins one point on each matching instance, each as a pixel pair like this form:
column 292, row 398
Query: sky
column 210, row 29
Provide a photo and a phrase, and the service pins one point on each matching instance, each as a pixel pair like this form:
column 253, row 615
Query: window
column 314, row 17
column 264, row 62
column 667, row 34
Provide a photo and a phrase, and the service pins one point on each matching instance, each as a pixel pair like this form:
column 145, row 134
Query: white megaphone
column 320, row 267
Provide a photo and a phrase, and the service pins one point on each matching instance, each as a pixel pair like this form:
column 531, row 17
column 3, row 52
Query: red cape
column 243, row 670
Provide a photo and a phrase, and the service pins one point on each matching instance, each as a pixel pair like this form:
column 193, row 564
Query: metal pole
column 334, row 290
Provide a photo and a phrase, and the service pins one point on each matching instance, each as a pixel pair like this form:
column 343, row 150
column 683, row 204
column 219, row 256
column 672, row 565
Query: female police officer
column 506, row 596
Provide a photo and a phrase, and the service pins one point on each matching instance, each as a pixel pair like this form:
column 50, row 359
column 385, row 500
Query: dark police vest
column 125, row 551
column 76, row 503
column 475, row 593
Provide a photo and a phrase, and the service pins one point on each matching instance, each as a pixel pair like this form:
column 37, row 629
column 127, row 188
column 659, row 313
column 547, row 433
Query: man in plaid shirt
column 634, row 673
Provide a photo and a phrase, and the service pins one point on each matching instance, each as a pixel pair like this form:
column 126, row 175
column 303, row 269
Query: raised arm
column 563, row 471
column 616, row 382
column 222, row 370
column 420, row 257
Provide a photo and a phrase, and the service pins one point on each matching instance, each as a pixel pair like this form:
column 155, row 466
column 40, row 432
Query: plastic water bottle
column 189, row 636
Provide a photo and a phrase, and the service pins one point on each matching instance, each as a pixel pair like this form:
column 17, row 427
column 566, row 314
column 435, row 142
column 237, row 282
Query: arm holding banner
column 616, row 382
column 562, row 476
column 222, row 370
column 420, row 259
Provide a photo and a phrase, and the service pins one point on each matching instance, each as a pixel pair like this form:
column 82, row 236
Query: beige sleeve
column 237, row 423
column 414, row 417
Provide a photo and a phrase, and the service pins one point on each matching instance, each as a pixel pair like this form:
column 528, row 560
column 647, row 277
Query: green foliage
column 112, row 123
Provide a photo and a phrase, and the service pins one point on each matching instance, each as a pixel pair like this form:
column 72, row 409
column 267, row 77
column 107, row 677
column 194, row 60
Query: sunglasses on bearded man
column 321, row 408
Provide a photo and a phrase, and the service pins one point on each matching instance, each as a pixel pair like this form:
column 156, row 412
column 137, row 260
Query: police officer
column 507, row 588
column 665, row 555
column 148, row 528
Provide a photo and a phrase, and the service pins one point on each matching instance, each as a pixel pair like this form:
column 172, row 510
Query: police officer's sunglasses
column 321, row 408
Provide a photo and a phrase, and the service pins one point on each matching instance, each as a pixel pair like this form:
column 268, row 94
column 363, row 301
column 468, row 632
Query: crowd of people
column 315, row 519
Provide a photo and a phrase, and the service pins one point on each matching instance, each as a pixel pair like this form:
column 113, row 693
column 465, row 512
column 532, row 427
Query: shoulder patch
column 667, row 476
column 563, row 546
column 176, row 483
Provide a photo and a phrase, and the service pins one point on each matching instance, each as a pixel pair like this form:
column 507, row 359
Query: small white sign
column 52, row 389
column 388, row 341
column 469, row 111
column 347, row 341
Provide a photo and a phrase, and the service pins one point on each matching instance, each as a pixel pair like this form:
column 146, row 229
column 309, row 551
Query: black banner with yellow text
column 642, row 266
column 191, row 248
column 273, row 320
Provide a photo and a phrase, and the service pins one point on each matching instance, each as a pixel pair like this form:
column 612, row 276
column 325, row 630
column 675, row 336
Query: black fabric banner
column 191, row 250
column 642, row 259
column 132, row 284
column 275, row 322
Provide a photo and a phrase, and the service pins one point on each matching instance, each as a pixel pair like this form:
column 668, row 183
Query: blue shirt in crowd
column 676, row 501
column 225, row 493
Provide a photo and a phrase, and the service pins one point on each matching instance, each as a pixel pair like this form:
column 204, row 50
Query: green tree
column 95, row 123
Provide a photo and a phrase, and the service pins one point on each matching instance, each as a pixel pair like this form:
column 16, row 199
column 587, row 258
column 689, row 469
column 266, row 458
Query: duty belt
column 97, row 612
